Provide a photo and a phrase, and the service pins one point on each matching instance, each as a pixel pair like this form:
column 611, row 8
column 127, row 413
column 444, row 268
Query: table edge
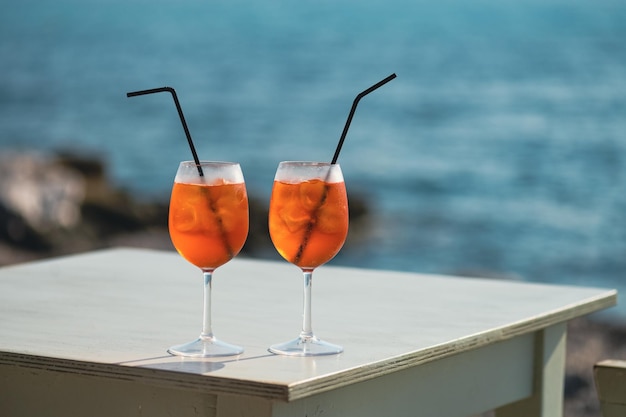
column 299, row 390
column 419, row 357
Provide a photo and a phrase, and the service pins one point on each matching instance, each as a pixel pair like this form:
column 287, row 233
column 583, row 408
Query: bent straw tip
column 151, row 91
column 353, row 109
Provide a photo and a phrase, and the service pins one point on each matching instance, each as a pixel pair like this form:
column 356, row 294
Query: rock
column 16, row 231
column 45, row 195
column 106, row 209
column 36, row 199
column 62, row 203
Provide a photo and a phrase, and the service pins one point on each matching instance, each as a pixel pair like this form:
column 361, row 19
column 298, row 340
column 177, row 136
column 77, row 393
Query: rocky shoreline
column 53, row 205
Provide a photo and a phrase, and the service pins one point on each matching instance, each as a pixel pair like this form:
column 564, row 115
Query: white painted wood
column 112, row 314
column 460, row 385
column 549, row 365
column 26, row 392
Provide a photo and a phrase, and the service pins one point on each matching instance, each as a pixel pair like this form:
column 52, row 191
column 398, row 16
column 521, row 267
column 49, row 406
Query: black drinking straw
column 309, row 230
column 353, row 109
column 180, row 114
column 190, row 141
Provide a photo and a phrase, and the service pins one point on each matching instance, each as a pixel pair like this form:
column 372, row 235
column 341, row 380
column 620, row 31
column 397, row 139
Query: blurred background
column 499, row 151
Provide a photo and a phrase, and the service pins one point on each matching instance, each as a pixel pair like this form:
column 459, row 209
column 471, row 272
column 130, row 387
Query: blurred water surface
column 499, row 149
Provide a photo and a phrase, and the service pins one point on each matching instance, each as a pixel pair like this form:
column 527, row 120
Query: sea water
column 500, row 149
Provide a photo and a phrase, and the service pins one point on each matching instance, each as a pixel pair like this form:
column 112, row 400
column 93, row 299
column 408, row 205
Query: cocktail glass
column 208, row 225
column 308, row 224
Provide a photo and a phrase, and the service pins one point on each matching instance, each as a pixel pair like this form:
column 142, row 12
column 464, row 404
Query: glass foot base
column 205, row 347
column 306, row 346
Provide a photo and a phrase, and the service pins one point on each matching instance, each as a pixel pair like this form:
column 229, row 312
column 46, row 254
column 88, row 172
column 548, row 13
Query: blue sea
column 499, row 150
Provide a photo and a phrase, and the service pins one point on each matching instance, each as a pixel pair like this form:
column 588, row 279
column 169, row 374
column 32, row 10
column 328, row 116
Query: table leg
column 549, row 376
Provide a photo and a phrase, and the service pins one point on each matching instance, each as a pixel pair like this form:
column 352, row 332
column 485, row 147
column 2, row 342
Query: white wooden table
column 86, row 335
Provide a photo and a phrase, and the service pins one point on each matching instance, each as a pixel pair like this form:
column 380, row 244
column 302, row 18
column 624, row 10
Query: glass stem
column 207, row 332
column 307, row 329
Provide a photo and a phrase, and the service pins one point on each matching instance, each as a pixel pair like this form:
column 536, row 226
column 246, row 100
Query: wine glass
column 208, row 225
column 308, row 224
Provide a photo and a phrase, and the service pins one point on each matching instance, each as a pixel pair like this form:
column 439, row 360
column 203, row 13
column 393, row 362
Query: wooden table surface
column 113, row 313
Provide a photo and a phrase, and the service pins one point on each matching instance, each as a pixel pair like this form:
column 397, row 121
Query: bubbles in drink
column 184, row 214
column 294, row 217
column 311, row 194
column 185, row 218
column 331, row 220
column 228, row 201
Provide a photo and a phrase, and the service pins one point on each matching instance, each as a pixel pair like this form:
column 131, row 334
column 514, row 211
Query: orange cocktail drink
column 208, row 223
column 308, row 220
